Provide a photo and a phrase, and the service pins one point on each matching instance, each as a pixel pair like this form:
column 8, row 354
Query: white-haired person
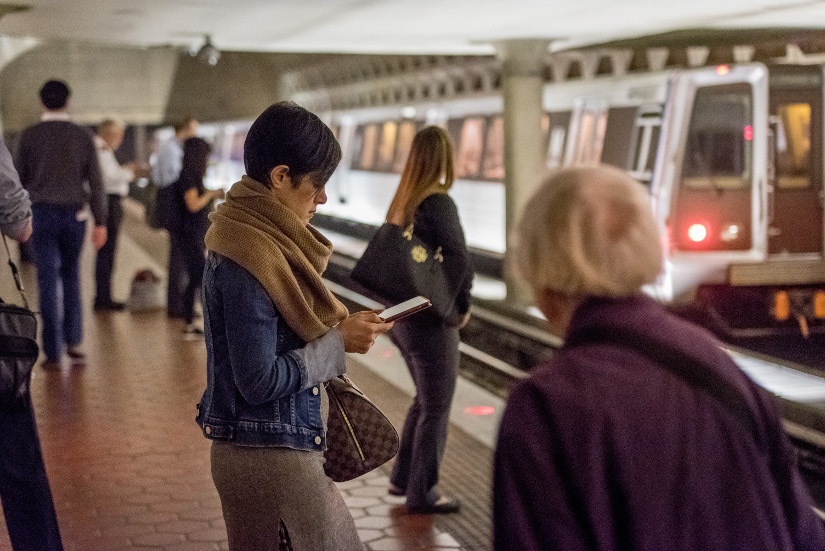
column 640, row 433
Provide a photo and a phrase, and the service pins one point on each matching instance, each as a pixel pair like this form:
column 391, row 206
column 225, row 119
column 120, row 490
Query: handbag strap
column 687, row 368
column 18, row 281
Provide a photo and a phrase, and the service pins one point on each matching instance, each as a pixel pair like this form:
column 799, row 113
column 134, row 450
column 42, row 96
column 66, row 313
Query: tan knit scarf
column 267, row 239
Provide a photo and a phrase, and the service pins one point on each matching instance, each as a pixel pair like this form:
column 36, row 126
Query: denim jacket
column 263, row 385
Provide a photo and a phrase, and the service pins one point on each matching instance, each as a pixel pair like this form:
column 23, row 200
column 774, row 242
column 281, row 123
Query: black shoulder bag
column 18, row 347
column 397, row 265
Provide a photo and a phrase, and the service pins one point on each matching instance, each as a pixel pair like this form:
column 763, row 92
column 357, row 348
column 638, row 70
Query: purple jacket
column 602, row 449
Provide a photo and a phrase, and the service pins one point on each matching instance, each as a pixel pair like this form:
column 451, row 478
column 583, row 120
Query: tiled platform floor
column 129, row 468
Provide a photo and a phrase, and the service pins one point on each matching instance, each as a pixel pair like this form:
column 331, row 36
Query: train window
column 557, row 138
column 470, row 142
column 589, row 131
column 719, row 142
column 493, row 166
column 618, row 136
column 406, row 133
column 386, row 147
column 793, row 146
column 367, row 144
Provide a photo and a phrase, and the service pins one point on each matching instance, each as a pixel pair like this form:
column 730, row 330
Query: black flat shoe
column 443, row 506
column 109, row 306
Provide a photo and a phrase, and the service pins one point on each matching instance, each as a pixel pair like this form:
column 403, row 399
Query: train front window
column 720, row 139
column 793, row 146
column 712, row 209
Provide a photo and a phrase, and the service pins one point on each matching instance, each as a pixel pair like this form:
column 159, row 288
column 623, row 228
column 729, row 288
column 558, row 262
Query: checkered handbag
column 359, row 437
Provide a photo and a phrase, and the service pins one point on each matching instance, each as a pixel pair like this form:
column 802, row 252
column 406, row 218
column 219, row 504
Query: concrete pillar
column 521, row 84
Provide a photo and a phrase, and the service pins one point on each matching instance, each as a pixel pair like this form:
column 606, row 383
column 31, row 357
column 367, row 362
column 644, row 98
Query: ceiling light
column 208, row 53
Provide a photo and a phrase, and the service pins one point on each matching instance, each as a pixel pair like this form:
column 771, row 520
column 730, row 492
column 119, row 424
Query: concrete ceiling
column 384, row 26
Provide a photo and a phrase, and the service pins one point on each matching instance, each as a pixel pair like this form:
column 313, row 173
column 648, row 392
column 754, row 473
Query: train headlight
column 730, row 233
column 697, row 232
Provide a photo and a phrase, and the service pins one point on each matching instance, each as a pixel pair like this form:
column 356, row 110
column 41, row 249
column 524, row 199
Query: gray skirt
column 259, row 487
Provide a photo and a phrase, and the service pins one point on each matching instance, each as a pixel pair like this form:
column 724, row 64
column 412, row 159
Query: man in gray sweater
column 57, row 163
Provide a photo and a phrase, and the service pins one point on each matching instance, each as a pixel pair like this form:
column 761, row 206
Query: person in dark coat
column 190, row 207
column 606, row 447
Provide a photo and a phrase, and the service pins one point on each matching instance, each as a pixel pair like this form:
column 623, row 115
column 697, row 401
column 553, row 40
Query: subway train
column 732, row 156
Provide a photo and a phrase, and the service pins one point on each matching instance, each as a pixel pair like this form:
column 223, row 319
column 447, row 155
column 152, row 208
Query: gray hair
column 588, row 231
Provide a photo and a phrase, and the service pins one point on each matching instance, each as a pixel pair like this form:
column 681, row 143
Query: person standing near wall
column 116, row 178
column 166, row 172
column 57, row 163
column 24, row 488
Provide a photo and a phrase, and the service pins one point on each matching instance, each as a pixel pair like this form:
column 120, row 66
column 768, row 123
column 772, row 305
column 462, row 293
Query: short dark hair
column 287, row 134
column 54, row 94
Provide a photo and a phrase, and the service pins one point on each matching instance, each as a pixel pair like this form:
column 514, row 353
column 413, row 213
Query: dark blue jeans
column 430, row 349
column 24, row 488
column 57, row 240
column 105, row 260
column 193, row 253
column 177, row 276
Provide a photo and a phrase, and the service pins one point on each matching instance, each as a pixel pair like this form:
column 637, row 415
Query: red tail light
column 697, row 232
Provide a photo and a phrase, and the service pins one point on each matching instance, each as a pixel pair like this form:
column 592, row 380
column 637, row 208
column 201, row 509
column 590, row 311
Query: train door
column 795, row 213
column 710, row 186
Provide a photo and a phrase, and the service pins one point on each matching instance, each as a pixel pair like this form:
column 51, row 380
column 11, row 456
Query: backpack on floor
column 147, row 292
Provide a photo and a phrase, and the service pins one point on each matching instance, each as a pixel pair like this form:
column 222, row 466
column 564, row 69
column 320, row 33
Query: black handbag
column 18, row 348
column 360, row 438
column 397, row 265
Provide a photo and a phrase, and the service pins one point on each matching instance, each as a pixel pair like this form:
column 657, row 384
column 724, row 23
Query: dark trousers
column 105, row 261
column 193, row 254
column 176, row 286
column 430, row 349
column 57, row 241
column 24, row 488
